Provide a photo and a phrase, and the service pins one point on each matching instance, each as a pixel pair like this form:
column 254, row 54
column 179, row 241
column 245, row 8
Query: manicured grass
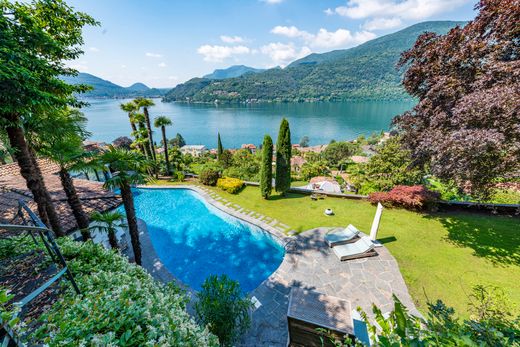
column 440, row 255
column 299, row 183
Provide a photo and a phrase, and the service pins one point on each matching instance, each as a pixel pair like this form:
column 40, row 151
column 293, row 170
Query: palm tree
column 108, row 222
column 64, row 147
column 162, row 122
column 131, row 108
column 145, row 103
column 129, row 169
column 141, row 134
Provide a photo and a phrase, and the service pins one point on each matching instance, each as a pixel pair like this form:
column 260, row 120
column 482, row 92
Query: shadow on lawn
column 288, row 196
column 496, row 239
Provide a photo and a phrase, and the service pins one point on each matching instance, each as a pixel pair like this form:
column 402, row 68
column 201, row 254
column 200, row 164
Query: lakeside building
column 194, row 150
column 315, row 149
column 250, row 147
column 297, row 163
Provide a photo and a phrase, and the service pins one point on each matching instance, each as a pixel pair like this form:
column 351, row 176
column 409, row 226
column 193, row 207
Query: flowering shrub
column 120, row 305
column 209, row 176
column 230, row 185
column 410, row 197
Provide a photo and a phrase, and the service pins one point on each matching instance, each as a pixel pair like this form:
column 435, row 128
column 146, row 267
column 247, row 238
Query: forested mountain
column 367, row 71
column 232, row 71
column 107, row 89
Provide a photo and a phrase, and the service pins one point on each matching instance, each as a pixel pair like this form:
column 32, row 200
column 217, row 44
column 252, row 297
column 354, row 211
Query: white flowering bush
column 120, row 305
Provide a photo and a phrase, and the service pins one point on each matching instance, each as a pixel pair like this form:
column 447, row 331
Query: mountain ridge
column 231, row 72
column 366, row 71
column 105, row 89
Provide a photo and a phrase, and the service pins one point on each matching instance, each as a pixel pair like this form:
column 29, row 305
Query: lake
column 240, row 124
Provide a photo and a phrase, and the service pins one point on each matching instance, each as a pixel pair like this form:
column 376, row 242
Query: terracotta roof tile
column 13, row 188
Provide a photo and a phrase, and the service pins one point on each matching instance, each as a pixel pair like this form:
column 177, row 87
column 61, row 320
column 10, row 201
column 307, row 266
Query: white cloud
column 324, row 38
column 123, row 66
column 340, row 38
column 219, row 53
column 173, row 78
column 93, row 49
column 282, row 54
column 153, row 55
column 328, row 12
column 162, row 64
column 291, row 31
column 382, row 23
column 231, row 39
column 405, row 9
column 80, row 65
column 272, row 1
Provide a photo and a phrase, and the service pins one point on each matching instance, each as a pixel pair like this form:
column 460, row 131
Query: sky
column 166, row 42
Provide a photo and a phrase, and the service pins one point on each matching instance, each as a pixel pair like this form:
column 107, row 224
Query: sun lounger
column 339, row 237
column 360, row 249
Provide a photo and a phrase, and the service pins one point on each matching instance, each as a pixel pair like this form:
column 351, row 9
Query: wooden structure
column 312, row 316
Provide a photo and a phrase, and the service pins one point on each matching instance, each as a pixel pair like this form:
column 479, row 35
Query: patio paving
column 308, row 264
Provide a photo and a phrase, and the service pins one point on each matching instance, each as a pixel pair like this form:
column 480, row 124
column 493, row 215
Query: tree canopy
column 466, row 124
column 283, row 158
column 266, row 168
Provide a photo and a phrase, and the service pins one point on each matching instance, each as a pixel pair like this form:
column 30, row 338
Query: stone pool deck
column 309, row 264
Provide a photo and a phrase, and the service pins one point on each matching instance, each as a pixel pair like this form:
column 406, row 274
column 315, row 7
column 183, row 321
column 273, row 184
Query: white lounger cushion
column 351, row 250
column 341, row 236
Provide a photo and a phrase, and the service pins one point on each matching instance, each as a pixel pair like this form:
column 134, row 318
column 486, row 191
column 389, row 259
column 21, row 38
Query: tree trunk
column 112, row 239
column 149, row 129
column 134, row 130
column 165, row 143
column 146, row 148
column 32, row 175
column 128, row 201
column 75, row 203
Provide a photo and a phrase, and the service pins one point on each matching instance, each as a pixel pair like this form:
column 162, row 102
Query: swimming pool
column 195, row 239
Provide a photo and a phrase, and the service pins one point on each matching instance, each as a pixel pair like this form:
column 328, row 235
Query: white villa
column 194, row 150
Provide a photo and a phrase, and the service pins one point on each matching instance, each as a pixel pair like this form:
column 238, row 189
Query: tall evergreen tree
column 266, row 168
column 283, row 158
column 220, row 148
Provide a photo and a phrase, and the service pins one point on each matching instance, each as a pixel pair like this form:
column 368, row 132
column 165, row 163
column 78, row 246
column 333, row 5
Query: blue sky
column 165, row 42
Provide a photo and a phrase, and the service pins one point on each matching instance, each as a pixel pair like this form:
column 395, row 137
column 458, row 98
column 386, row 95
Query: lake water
column 237, row 125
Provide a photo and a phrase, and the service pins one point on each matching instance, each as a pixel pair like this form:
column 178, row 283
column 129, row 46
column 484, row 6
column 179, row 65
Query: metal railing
column 33, row 226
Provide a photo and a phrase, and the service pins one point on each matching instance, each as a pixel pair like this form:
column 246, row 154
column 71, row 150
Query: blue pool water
column 194, row 239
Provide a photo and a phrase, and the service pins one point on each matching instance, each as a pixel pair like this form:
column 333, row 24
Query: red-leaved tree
column 466, row 125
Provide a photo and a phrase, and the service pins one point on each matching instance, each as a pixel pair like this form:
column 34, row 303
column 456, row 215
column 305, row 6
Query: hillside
column 364, row 72
column 106, row 89
column 232, row 71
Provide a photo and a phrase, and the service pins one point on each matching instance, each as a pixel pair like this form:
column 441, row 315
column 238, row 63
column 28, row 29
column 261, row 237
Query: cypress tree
column 283, row 158
column 266, row 169
column 220, row 148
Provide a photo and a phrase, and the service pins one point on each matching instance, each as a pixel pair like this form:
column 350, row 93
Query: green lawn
column 441, row 255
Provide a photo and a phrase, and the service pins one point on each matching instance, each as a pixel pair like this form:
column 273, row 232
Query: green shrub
column 209, row 176
column 179, row 176
column 120, row 305
column 230, row 185
column 491, row 324
column 223, row 308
